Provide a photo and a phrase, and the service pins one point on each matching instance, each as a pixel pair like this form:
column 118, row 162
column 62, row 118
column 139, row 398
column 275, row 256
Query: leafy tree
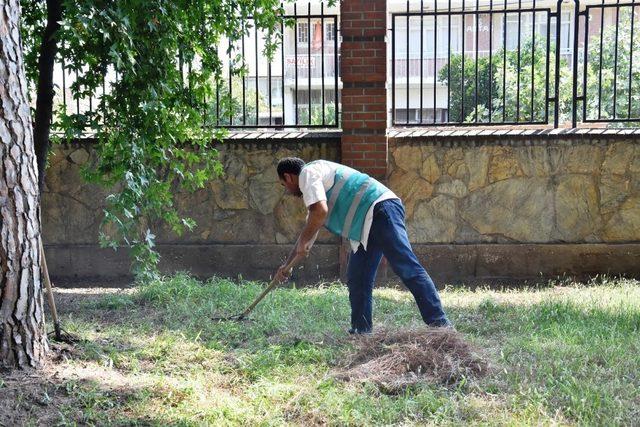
column 614, row 68
column 149, row 128
column 599, row 98
column 501, row 97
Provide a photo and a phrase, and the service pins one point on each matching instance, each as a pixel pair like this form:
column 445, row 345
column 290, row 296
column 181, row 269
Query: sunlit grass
column 565, row 354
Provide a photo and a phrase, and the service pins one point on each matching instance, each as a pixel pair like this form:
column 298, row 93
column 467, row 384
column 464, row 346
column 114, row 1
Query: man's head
column 288, row 171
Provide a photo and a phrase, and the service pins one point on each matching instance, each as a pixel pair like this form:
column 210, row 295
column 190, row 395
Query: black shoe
column 445, row 323
column 356, row 331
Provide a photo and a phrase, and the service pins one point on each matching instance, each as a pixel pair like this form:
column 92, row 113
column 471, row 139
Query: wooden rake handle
column 269, row 288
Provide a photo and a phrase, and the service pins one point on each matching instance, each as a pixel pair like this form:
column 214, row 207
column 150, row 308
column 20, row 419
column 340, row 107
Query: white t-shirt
column 317, row 178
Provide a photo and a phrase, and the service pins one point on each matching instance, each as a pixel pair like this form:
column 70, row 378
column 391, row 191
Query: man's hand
column 282, row 274
column 304, row 248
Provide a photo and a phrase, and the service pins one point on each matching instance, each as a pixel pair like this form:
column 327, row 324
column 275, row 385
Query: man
column 356, row 206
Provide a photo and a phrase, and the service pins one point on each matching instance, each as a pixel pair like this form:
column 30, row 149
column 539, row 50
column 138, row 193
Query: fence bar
column 270, row 97
column 421, row 57
column 393, row 70
column 255, row 33
column 64, row 85
column 548, row 71
column 477, row 54
column 309, row 56
column 633, row 15
column 491, row 62
column 504, row 63
column 576, row 25
column 435, row 59
column 556, row 110
column 462, row 77
column 600, row 69
column 518, row 72
column 615, row 62
column 284, row 122
column 218, row 100
column 585, row 62
column 533, row 60
column 408, row 58
column 336, row 68
column 244, row 83
column 77, row 97
column 449, row 67
column 322, row 58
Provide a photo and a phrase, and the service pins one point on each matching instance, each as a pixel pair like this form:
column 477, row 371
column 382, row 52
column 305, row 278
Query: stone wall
column 487, row 206
column 480, row 208
column 246, row 223
column 534, row 190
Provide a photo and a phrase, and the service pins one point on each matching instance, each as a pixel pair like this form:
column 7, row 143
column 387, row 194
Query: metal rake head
column 234, row 318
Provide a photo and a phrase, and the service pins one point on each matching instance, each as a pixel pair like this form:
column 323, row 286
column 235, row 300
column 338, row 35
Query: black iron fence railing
column 515, row 62
column 559, row 63
column 298, row 87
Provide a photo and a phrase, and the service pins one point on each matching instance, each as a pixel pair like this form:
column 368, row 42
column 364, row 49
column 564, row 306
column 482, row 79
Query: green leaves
column 160, row 61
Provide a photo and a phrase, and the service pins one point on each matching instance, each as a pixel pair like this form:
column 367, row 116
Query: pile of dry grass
column 397, row 359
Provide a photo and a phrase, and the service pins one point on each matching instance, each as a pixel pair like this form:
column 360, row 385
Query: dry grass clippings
column 395, row 360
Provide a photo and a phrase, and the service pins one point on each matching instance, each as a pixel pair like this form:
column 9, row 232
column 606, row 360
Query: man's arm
column 315, row 220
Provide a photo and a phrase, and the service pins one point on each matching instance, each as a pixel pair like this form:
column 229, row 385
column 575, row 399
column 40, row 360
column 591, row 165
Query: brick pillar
column 363, row 68
column 364, row 100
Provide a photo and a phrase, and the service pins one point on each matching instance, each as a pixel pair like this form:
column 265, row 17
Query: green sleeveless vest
column 349, row 200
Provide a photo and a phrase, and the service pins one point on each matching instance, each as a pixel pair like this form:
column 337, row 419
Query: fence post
column 556, row 109
column 364, row 99
column 576, row 27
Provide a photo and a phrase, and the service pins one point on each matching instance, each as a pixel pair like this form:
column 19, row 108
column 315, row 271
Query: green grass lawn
column 559, row 355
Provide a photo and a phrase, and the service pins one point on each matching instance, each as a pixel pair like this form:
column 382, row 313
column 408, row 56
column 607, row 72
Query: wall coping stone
column 332, row 135
column 478, row 133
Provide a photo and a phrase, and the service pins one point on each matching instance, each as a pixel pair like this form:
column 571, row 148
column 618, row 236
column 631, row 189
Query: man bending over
column 353, row 205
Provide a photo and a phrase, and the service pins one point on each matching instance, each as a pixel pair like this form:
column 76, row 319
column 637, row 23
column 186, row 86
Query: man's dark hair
column 292, row 165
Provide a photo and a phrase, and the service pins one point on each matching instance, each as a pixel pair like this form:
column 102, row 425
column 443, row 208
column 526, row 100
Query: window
column 303, row 32
column 566, row 35
column 329, row 31
column 428, row 37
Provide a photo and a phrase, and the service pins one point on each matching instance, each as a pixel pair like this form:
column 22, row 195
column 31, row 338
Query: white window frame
column 329, row 30
column 302, row 33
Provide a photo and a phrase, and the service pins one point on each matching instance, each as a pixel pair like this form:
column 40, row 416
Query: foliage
column 615, row 68
column 151, row 141
column 502, row 94
column 516, row 106
column 316, row 115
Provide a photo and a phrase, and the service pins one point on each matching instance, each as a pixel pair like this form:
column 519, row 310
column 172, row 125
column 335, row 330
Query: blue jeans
column 388, row 237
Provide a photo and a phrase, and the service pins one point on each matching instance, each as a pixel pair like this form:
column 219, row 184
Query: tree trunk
column 45, row 92
column 23, row 341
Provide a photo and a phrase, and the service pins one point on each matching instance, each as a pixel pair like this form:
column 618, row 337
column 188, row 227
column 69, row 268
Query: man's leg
column 388, row 232
column 361, row 275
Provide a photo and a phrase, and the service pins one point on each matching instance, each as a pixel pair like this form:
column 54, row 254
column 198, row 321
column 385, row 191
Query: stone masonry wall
column 247, row 205
column 245, row 222
column 478, row 209
column 466, row 190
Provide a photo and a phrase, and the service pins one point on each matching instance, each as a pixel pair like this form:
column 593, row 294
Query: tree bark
column 23, row 341
column 45, row 92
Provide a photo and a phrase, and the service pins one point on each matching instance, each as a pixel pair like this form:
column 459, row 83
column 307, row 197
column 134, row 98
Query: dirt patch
column 58, row 391
column 395, row 360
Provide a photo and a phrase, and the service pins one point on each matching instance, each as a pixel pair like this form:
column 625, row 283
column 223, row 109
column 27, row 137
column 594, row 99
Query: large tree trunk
column 23, row 342
column 45, row 92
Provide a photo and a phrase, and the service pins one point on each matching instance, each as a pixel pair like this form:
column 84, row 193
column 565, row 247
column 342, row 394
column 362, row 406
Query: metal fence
column 507, row 62
column 299, row 87
column 554, row 63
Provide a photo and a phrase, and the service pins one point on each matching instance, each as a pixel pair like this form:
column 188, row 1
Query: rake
column 269, row 288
